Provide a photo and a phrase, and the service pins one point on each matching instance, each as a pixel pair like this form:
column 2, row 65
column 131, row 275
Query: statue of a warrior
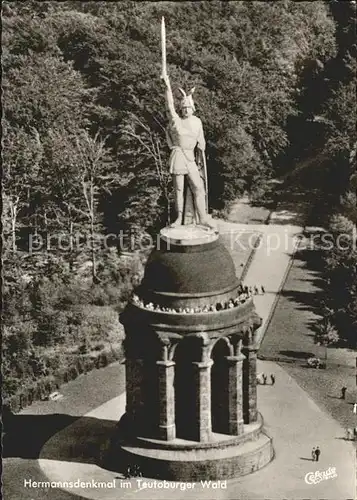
column 184, row 136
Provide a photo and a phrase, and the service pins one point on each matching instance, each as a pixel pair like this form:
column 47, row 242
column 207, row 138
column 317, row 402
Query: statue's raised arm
column 169, row 97
column 185, row 134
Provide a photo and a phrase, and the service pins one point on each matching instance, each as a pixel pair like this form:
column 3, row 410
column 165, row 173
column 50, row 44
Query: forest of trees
column 85, row 155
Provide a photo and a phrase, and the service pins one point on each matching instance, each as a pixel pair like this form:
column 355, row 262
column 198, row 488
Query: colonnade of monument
column 191, row 387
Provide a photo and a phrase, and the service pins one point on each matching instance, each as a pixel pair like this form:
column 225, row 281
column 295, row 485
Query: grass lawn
column 98, row 383
column 289, row 340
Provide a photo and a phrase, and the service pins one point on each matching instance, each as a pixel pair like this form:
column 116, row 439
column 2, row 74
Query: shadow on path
column 56, row 437
column 25, row 435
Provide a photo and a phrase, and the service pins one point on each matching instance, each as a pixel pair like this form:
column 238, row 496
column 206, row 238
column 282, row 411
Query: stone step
column 200, row 453
column 215, row 464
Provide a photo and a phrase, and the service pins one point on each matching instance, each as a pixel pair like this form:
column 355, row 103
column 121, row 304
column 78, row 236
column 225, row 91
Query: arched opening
column 219, row 388
column 187, row 351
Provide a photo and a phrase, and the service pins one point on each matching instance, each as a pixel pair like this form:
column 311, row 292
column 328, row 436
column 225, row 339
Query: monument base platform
column 188, row 235
column 225, row 457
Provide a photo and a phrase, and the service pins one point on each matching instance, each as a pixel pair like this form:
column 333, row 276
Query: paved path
column 270, row 263
column 292, row 419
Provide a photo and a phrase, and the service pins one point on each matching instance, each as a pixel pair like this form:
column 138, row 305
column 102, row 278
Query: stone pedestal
column 183, row 347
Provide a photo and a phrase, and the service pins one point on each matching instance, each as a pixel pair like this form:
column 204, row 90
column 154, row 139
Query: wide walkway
column 292, row 419
column 271, row 260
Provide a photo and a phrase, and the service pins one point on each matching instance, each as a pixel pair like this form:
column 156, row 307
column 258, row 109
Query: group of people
column 264, row 378
column 132, row 471
column 315, row 453
column 244, row 293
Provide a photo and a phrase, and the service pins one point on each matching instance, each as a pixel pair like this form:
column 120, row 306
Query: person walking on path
column 313, row 454
column 272, row 378
column 128, row 472
column 317, row 453
column 343, row 392
column 355, row 408
column 264, row 378
column 137, row 471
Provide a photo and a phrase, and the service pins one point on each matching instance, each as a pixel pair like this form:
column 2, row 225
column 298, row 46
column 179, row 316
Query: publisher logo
column 318, row 476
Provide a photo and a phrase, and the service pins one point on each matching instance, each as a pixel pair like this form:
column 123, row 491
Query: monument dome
column 190, row 269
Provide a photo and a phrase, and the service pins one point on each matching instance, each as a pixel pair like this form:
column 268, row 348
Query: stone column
column 203, row 400
column 134, row 383
column 165, row 373
column 235, row 394
column 250, row 384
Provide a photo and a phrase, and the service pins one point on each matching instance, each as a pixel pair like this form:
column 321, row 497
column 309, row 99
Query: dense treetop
column 73, row 65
